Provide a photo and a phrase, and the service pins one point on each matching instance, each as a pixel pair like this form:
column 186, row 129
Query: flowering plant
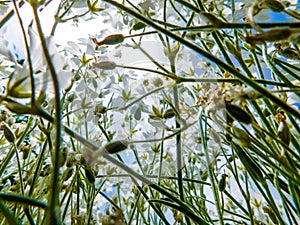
column 172, row 112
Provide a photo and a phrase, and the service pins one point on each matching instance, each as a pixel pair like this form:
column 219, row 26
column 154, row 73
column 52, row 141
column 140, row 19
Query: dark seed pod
column 113, row 39
column 169, row 114
column 105, row 65
column 67, row 174
column 83, row 161
column 116, row 146
column 139, row 26
column 283, row 132
column 90, row 175
column 222, row 182
column 238, row 113
column 229, row 119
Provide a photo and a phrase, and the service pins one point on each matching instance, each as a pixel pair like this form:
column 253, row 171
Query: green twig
column 54, row 196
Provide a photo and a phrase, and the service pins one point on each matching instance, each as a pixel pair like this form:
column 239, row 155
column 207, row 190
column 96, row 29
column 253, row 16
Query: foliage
column 177, row 112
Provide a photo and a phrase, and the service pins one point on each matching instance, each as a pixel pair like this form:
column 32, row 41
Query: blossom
column 19, row 83
column 148, row 4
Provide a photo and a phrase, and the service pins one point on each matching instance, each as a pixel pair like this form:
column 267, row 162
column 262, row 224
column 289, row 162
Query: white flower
column 148, row 4
column 4, row 51
column 19, row 83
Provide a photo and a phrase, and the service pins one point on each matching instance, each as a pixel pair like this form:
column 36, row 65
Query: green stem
column 153, row 206
column 19, row 168
column 54, row 193
column 32, row 84
column 8, row 214
column 210, row 169
column 22, row 199
column 178, row 136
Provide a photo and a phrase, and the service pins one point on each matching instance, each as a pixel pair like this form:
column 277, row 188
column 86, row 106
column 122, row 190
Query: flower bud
column 222, row 182
column 172, row 53
column 36, row 3
column 100, row 109
column 283, row 132
column 138, row 26
column 26, row 150
column 71, row 97
column 8, row 133
column 274, row 5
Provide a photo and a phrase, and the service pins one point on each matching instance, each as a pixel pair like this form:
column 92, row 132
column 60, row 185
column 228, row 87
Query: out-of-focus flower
column 3, row 7
column 292, row 98
column 6, row 57
column 3, row 45
column 8, row 133
column 148, row 4
column 19, row 82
